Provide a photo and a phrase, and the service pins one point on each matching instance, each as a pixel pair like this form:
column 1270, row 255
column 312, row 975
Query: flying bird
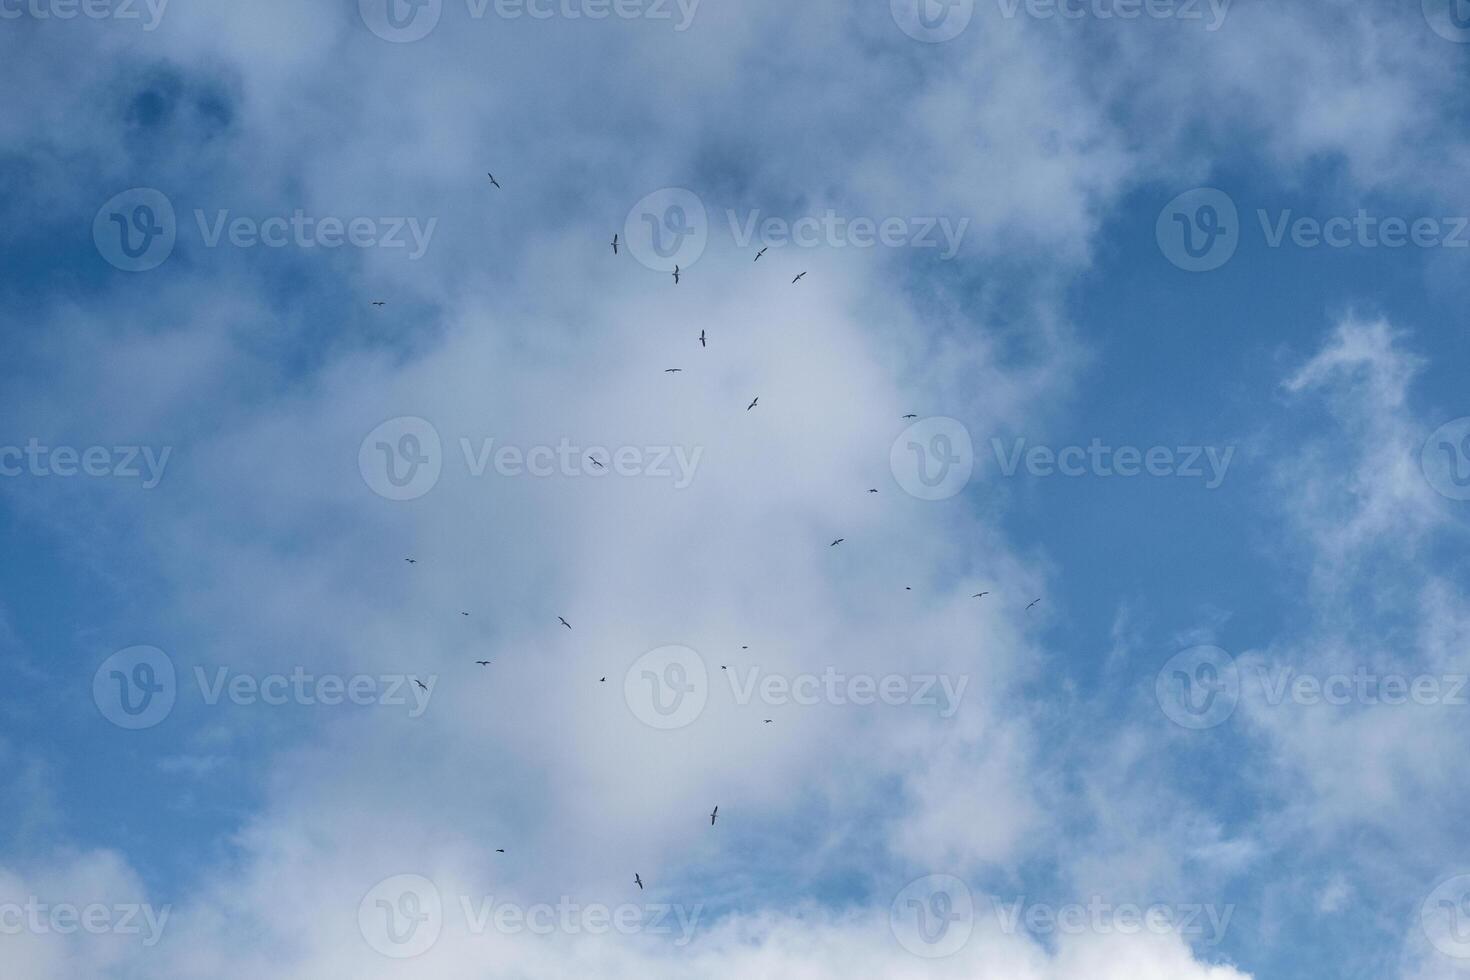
column 836, row 543
column 701, row 339
column 873, row 491
column 1028, row 608
column 712, row 814
column 638, row 881
column 673, row 370
column 760, row 253
column 483, row 663
column 799, row 278
column 615, row 244
column 500, row 850
column 564, row 622
column 493, row 180
column 464, row 613
column 596, row 463
column 769, row 720
column 603, row 681
column 411, row 561
column 676, row 275
column 753, row 404
column 419, row 683
column 378, row 302
column 910, row 416
column 979, row 595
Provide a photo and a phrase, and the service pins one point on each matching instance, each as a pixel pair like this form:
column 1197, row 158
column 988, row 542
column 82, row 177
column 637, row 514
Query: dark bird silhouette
column 500, row 850
column 596, row 463
column 673, row 370
column 701, row 339
column 979, row 595
column 603, row 681
column 799, row 278
column 836, row 543
column 723, row 667
column 873, row 490
column 615, row 244
column 419, row 683
column 564, row 622
column 638, row 881
column 464, row 613
column 412, row 561
column 493, row 180
column 676, row 275
column 378, row 302
column 1028, row 608
column 760, row 253
column 753, row 404
column 745, row 648
column 910, row 416
column 769, row 720
column 483, row 663
column 712, row 814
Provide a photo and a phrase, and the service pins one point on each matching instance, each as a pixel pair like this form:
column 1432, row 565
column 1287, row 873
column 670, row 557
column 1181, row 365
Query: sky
column 1035, row 517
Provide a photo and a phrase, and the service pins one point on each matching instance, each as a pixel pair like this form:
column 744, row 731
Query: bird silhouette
column 676, row 275
column 412, row 561
column 701, row 339
column 419, row 683
column 493, row 180
column 712, row 814
column 673, row 370
column 1028, row 608
column 378, row 302
column 760, row 253
column 910, row 416
column 615, row 244
column 564, row 622
column 483, row 663
column 979, row 595
column 836, row 543
column 638, row 881
column 596, row 463
column 873, row 491
column 753, row 404
column 799, row 278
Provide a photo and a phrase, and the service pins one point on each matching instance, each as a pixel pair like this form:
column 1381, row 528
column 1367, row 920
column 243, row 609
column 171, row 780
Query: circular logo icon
column 401, row 917
column 401, row 21
column 667, row 228
column 1199, row 230
column 933, row 458
column 135, row 688
column 1450, row 19
column 136, row 230
column 933, row 916
column 402, row 458
column 1445, row 916
column 932, row 21
column 1445, row 459
column 667, row 688
column 1198, row 688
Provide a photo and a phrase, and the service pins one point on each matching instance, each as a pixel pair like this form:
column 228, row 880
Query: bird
column 910, row 416
column 979, row 595
column 1028, row 608
column 603, row 681
column 874, row 490
column 676, row 275
column 564, row 622
column 836, row 543
column 799, row 278
column 769, row 720
column 493, row 180
column 596, row 463
column 673, row 370
column 615, row 244
column 419, row 683
column 378, row 302
column 638, row 881
column 745, row 648
column 760, row 253
column 712, row 814
column 462, row 613
column 701, row 339
column 500, row 850
column 723, row 667
column 483, row 663
column 908, row 588
column 411, row 561
column 753, row 404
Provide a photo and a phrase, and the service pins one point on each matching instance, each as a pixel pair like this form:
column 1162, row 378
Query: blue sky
column 204, row 202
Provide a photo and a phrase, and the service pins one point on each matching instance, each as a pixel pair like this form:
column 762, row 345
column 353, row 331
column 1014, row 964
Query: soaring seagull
column 836, row 543
column 493, row 180
column 596, row 463
column 673, row 370
column 483, row 663
column 412, row 561
column 701, row 339
column 638, row 881
column 979, row 595
column 378, row 302
column 564, row 622
column 676, row 275
column 798, row 279
column 753, row 404
column 910, row 416
column 1028, row 608
column 419, row 683
column 712, row 814
column 760, row 253
column 615, row 244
